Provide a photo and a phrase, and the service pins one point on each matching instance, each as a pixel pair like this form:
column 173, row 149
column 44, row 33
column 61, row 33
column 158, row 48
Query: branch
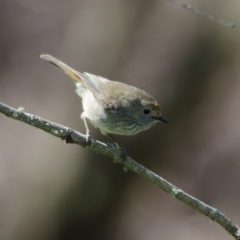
column 110, row 150
column 204, row 14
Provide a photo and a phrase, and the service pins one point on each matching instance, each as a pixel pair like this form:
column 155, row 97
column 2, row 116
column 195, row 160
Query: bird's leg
column 122, row 148
column 88, row 133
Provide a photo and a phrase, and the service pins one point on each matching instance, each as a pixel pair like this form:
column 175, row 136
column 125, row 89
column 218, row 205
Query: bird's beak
column 161, row 118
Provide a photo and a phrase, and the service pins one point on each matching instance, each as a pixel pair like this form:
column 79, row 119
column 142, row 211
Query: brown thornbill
column 111, row 106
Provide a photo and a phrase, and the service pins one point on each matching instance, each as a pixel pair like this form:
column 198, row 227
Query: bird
column 111, row 106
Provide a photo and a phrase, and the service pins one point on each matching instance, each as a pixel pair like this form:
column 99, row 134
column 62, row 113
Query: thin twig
column 71, row 136
column 204, row 14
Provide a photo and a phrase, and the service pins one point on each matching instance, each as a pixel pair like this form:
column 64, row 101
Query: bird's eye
column 146, row 111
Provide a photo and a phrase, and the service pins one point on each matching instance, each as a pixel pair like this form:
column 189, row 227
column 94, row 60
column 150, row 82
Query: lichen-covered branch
column 111, row 150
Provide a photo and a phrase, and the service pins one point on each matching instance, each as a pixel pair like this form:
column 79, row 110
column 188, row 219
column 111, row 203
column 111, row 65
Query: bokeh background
column 191, row 65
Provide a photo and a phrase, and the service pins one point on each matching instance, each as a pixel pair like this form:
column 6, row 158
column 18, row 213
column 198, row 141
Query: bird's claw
column 122, row 152
column 88, row 139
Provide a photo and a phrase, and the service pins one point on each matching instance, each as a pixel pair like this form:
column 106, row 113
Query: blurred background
column 191, row 65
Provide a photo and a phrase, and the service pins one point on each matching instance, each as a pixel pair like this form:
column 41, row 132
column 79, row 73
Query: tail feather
column 63, row 66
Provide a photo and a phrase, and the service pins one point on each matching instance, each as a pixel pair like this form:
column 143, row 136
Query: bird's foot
column 88, row 138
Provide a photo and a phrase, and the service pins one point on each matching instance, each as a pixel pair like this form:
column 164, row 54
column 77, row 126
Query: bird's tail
column 73, row 74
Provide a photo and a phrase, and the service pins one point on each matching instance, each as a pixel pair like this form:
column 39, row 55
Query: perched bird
column 111, row 106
